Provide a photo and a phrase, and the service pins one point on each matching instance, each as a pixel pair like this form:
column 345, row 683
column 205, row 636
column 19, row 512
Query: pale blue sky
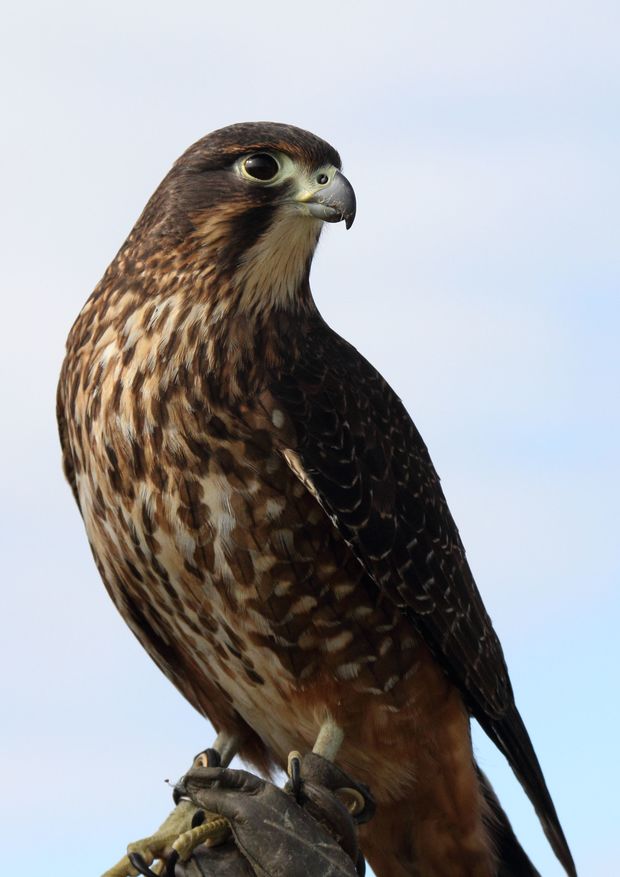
column 481, row 277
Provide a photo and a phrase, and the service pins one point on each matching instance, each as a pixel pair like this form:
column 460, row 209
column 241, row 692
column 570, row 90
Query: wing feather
column 365, row 461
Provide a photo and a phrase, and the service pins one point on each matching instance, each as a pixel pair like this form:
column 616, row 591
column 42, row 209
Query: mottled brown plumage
column 267, row 519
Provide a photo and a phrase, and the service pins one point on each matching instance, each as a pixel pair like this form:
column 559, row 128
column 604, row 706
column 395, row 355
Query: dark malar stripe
column 245, row 231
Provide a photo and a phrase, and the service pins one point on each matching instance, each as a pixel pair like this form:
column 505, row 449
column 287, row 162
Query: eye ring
column 261, row 167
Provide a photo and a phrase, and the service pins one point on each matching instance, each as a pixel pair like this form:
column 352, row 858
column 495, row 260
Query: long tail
column 512, row 861
column 511, row 738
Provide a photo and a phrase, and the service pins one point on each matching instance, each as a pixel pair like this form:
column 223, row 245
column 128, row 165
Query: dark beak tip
column 344, row 199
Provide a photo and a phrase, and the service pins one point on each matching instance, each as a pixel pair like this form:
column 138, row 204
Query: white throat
column 275, row 266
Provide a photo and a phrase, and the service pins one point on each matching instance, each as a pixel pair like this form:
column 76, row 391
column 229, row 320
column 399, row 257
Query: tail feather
column 512, row 861
column 512, row 739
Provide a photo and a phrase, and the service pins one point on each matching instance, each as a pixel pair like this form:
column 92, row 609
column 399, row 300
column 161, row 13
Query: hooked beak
column 333, row 202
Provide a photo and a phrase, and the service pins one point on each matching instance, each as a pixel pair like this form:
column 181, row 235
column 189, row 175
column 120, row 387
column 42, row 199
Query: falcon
column 267, row 519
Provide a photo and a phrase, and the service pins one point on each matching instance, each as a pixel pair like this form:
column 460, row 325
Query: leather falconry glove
column 309, row 829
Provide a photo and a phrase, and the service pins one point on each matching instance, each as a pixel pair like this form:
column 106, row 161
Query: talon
column 214, row 759
column 173, row 858
column 139, row 863
column 352, row 800
column 294, row 772
column 209, row 758
column 198, row 818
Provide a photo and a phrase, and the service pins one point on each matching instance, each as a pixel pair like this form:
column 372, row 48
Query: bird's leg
column 182, row 830
column 326, row 745
column 329, row 740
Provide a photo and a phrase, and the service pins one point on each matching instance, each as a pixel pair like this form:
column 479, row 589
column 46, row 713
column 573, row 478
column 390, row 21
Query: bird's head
column 243, row 209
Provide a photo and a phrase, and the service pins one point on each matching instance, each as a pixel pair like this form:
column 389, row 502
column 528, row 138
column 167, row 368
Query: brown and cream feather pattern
column 266, row 517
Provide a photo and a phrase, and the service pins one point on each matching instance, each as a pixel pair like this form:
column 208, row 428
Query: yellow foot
column 181, row 832
column 158, row 846
column 174, row 841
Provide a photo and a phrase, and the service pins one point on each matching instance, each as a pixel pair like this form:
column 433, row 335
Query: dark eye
column 261, row 166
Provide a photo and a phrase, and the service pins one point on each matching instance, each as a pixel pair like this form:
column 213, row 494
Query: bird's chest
column 210, row 543
column 202, row 500
column 198, row 517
